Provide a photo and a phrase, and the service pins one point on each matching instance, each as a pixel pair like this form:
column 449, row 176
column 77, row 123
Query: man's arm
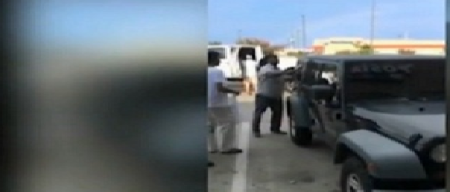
column 224, row 89
column 220, row 79
column 267, row 72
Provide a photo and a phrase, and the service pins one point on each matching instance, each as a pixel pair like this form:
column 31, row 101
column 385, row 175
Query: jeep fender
column 298, row 110
column 387, row 158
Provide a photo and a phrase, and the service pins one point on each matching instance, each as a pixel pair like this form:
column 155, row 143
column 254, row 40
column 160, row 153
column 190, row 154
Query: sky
column 113, row 23
column 150, row 22
column 277, row 20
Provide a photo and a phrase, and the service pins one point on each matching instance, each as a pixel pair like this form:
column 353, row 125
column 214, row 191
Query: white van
column 231, row 54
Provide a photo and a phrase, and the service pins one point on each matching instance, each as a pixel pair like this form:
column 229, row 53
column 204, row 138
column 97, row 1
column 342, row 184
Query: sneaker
column 279, row 132
column 213, row 151
column 232, row 151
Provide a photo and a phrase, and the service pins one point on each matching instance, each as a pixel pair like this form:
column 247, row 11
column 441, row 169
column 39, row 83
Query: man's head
column 272, row 59
column 263, row 61
column 213, row 59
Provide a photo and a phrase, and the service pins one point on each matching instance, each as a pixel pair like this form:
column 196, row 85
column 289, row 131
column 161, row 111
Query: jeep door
column 311, row 76
column 330, row 110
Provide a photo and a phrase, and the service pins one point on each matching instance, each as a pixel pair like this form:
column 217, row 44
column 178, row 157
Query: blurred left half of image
column 109, row 96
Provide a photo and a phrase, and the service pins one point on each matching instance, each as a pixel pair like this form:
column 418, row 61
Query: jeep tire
column 300, row 136
column 354, row 176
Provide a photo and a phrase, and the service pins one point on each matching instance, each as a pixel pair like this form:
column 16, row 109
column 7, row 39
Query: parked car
column 384, row 116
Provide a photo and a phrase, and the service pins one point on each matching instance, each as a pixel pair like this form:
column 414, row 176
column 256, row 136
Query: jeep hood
column 404, row 119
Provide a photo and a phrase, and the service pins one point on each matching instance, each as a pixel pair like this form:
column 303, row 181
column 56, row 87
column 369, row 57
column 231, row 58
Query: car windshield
column 422, row 79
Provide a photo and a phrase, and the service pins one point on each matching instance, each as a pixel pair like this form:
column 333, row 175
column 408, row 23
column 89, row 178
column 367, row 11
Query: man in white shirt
column 269, row 95
column 220, row 111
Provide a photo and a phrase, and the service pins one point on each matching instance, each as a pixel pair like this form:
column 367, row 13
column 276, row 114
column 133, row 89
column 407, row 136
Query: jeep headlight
column 439, row 153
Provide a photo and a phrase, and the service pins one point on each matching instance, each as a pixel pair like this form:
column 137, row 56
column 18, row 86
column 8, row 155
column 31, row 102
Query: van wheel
column 300, row 136
column 355, row 177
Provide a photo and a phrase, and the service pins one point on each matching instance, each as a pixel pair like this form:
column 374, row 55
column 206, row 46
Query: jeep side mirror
column 321, row 92
column 289, row 74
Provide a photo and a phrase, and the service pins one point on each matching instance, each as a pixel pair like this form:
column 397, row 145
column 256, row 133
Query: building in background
column 380, row 46
column 292, row 51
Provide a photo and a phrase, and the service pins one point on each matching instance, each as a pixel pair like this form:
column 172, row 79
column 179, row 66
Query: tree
column 346, row 52
column 214, row 43
column 406, row 52
column 365, row 49
column 266, row 46
column 296, row 54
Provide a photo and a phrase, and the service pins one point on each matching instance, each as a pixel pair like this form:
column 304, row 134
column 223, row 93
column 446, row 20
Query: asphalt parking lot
column 272, row 163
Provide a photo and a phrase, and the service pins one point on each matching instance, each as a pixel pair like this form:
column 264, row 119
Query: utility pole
column 304, row 40
column 372, row 23
column 239, row 35
column 291, row 41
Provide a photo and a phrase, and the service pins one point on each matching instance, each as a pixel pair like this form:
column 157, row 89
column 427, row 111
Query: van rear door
column 225, row 57
column 245, row 51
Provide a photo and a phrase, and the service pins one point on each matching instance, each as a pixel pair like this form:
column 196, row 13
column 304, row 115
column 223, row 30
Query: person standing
column 257, row 67
column 221, row 114
column 250, row 66
column 269, row 95
column 261, row 63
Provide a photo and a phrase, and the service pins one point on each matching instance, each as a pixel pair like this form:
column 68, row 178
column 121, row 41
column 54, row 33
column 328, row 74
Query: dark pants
column 275, row 105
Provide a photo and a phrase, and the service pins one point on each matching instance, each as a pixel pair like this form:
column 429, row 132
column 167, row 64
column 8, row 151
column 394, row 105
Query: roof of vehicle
column 234, row 45
column 373, row 57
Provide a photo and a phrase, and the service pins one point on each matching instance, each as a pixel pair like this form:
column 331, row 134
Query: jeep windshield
column 418, row 79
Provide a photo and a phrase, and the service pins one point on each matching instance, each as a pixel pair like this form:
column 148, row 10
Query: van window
column 244, row 51
column 219, row 50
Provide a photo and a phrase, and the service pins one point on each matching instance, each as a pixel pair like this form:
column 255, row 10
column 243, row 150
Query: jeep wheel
column 300, row 136
column 354, row 176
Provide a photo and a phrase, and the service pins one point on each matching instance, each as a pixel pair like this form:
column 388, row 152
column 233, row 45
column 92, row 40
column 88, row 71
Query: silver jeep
column 384, row 116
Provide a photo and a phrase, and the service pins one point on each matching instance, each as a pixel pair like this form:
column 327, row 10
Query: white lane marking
column 239, row 183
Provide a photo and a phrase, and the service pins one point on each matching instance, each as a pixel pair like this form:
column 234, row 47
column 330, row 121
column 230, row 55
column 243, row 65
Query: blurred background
column 98, row 99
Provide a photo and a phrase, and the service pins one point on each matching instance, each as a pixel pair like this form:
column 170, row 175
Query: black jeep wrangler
column 384, row 116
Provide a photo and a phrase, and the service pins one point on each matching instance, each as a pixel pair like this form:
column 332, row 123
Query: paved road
column 272, row 163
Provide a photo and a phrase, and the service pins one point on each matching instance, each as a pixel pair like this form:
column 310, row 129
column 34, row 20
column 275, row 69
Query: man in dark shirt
column 269, row 94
